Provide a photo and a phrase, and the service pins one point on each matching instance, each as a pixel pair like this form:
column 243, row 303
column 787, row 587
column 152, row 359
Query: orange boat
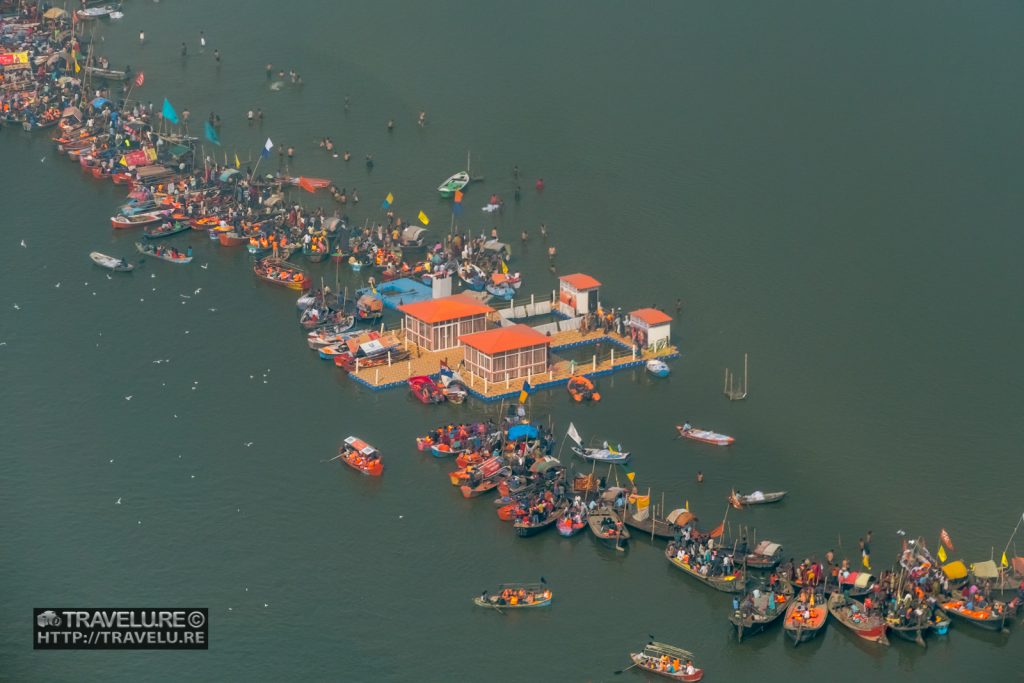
column 361, row 456
column 805, row 617
column 582, row 389
column 232, row 239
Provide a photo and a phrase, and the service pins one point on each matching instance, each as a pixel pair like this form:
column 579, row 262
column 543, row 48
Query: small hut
column 506, row 353
column 578, row 294
column 649, row 328
column 437, row 324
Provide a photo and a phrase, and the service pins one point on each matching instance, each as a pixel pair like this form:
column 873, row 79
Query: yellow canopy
column 54, row 13
column 955, row 570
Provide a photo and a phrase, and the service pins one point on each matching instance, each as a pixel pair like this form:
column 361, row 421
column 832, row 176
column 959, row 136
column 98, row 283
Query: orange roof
column 503, row 339
column 651, row 316
column 580, row 281
column 446, row 308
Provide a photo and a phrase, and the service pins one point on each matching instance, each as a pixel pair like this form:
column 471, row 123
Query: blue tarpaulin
column 522, row 432
column 100, row 102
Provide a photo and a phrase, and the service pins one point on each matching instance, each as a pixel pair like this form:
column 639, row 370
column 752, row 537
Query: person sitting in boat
column 689, row 670
column 687, row 427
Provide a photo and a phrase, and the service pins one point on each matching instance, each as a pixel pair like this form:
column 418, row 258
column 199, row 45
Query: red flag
column 458, row 196
column 717, row 531
column 945, row 539
column 306, row 185
column 140, row 79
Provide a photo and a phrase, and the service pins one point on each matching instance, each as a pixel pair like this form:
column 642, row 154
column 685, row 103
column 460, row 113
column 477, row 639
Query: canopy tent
column 986, row 570
column 767, row 548
column 54, row 13
column 681, row 517
column 331, row 224
column 955, row 570
column 412, row 233
column 613, row 492
column 100, row 102
column 545, row 465
column 228, row 175
column 71, row 111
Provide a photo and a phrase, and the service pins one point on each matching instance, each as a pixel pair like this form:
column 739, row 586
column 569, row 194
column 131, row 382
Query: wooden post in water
column 376, row 377
column 613, row 357
column 389, row 359
column 593, row 366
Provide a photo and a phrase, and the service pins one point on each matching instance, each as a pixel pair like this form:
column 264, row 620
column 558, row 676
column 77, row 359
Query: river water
column 830, row 187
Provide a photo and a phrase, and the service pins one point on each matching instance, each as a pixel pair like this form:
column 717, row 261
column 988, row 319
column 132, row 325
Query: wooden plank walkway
column 615, row 356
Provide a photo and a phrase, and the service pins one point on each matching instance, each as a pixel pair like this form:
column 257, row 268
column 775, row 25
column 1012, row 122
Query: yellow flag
column 423, row 219
column 631, row 476
column 942, row 554
column 1003, row 561
column 687, row 508
column 390, row 198
column 238, row 164
column 504, row 267
column 866, row 561
column 77, row 68
column 123, row 162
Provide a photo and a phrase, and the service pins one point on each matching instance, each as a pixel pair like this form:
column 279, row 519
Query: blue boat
column 658, row 367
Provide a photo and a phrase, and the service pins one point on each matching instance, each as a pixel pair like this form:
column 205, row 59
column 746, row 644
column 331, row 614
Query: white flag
column 574, row 435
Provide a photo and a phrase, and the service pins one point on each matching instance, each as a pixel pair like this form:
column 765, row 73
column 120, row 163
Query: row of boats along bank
column 919, row 597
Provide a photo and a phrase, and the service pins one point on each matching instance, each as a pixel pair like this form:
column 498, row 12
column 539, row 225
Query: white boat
column 604, row 454
column 96, row 12
column 454, row 183
column 713, row 438
column 658, row 367
column 111, row 262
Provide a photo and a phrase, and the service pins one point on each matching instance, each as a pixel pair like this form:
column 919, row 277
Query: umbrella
column 228, row 174
column 54, row 13
column 522, row 432
column 100, row 102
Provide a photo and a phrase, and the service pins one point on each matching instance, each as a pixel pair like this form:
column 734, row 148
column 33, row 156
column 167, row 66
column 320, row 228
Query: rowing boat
column 281, row 273
column 703, row 435
column 516, row 596
column 760, row 609
column 525, row 527
column 607, row 528
column 728, row 583
column 121, row 222
column 738, row 500
column 805, row 617
column 765, row 555
column 568, row 527
column 169, row 255
column 119, row 265
column 455, row 182
column 166, row 230
column 361, row 457
column 425, row 391
column 668, row 661
column 850, row 613
column 991, row 617
column 603, row 454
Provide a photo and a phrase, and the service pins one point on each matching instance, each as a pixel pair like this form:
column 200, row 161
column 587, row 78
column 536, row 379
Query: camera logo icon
column 47, row 618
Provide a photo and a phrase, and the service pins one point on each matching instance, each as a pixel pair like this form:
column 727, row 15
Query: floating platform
column 399, row 292
column 429, row 363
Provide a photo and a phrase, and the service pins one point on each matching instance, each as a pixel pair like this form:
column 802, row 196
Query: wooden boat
column 122, row 222
column 108, row 74
column 805, row 617
column 659, row 528
column 729, row 583
column 604, row 454
column 169, row 255
column 516, row 596
column 992, row 617
column 313, row 318
column 472, row 277
column 95, row 13
column 668, row 661
column 166, row 230
column 756, row 613
column 425, row 391
column 231, row 238
column 607, row 528
column 939, row 623
column 524, row 527
column 582, row 389
column 354, row 362
column 756, row 498
column 330, row 334
column 455, row 182
column 119, row 265
column 567, row 527
column 280, row 273
column 500, row 288
column 912, row 632
column 713, row 438
column 854, row 584
column 658, row 367
column 850, row 613
column 360, row 456
column 480, row 489
column 369, row 307
column 765, row 555
column 314, row 255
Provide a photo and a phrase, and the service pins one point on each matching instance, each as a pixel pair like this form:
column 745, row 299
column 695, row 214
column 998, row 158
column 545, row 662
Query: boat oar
column 616, row 673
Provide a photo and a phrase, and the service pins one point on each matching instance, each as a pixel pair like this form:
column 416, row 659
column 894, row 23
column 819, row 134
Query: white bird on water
column 109, row 278
column 248, row 444
column 198, row 290
column 23, row 244
column 117, row 502
column 17, row 307
column 129, row 397
column 205, row 266
column 57, row 285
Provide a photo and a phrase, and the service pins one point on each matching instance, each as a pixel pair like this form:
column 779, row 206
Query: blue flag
column 169, row 113
column 457, row 209
column 266, row 149
column 211, row 133
column 525, row 392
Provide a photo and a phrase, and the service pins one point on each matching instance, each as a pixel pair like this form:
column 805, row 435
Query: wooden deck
column 615, row 355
